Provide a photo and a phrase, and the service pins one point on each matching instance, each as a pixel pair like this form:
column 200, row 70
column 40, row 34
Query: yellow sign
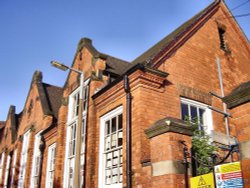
column 203, row 181
column 230, row 167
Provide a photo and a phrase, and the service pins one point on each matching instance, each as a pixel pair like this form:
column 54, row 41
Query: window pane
column 115, row 175
column 108, row 177
column 74, row 131
column 120, row 136
column 77, row 103
column 184, row 111
column 83, row 126
column 115, row 158
column 113, row 140
column 85, row 98
column 193, row 112
column 107, row 143
column 109, row 160
column 120, row 121
column 202, row 116
column 120, row 174
column 120, row 151
column 107, row 126
column 113, row 124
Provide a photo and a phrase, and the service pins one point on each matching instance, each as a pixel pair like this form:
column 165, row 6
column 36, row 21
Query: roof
column 2, row 124
column 147, row 57
column 114, row 65
column 54, row 96
column 238, row 96
column 173, row 37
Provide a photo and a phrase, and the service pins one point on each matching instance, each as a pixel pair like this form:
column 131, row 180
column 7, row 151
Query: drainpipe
column 41, row 148
column 185, row 162
column 128, row 132
column 224, row 104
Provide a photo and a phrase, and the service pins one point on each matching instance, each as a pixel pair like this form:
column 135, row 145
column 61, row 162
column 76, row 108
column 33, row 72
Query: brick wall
column 241, row 118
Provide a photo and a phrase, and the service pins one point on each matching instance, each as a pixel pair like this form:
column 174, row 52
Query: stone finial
column 37, row 76
column 84, row 41
column 12, row 109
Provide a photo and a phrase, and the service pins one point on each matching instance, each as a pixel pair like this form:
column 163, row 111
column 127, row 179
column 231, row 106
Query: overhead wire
column 240, row 5
column 237, row 16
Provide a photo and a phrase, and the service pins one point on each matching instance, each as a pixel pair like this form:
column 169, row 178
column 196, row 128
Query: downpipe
column 128, row 132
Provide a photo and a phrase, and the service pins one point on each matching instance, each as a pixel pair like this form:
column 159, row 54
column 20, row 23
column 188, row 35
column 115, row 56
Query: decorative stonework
column 65, row 101
column 37, row 76
column 169, row 124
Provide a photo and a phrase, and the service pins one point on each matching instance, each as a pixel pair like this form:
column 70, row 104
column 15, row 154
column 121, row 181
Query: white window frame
column 13, row 169
column 69, row 159
column 103, row 119
column 51, row 165
column 72, row 117
column 7, row 170
column 36, row 161
column 23, row 161
column 73, row 121
column 208, row 120
column 1, row 167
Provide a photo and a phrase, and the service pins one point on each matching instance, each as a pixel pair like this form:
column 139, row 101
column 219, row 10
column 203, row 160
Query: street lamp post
column 77, row 163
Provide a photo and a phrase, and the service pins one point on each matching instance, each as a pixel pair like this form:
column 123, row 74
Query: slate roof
column 241, row 87
column 54, row 97
column 2, row 124
column 238, row 96
column 114, row 65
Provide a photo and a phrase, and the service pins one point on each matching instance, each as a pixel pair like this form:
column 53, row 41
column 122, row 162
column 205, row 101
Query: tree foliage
column 203, row 148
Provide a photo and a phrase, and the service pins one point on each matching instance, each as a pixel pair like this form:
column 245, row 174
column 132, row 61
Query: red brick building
column 22, row 150
column 132, row 113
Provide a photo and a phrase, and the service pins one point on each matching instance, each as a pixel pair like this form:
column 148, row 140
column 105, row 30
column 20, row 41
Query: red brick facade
column 181, row 67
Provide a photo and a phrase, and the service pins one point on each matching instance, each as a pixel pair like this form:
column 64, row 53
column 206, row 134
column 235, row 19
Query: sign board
column 228, row 175
column 203, row 181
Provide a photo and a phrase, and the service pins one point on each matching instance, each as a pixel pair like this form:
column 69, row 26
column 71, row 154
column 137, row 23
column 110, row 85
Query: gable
column 42, row 100
column 33, row 108
column 168, row 46
column 94, row 64
column 9, row 131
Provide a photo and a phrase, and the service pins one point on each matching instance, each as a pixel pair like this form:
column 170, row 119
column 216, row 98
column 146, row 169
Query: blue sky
column 33, row 33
